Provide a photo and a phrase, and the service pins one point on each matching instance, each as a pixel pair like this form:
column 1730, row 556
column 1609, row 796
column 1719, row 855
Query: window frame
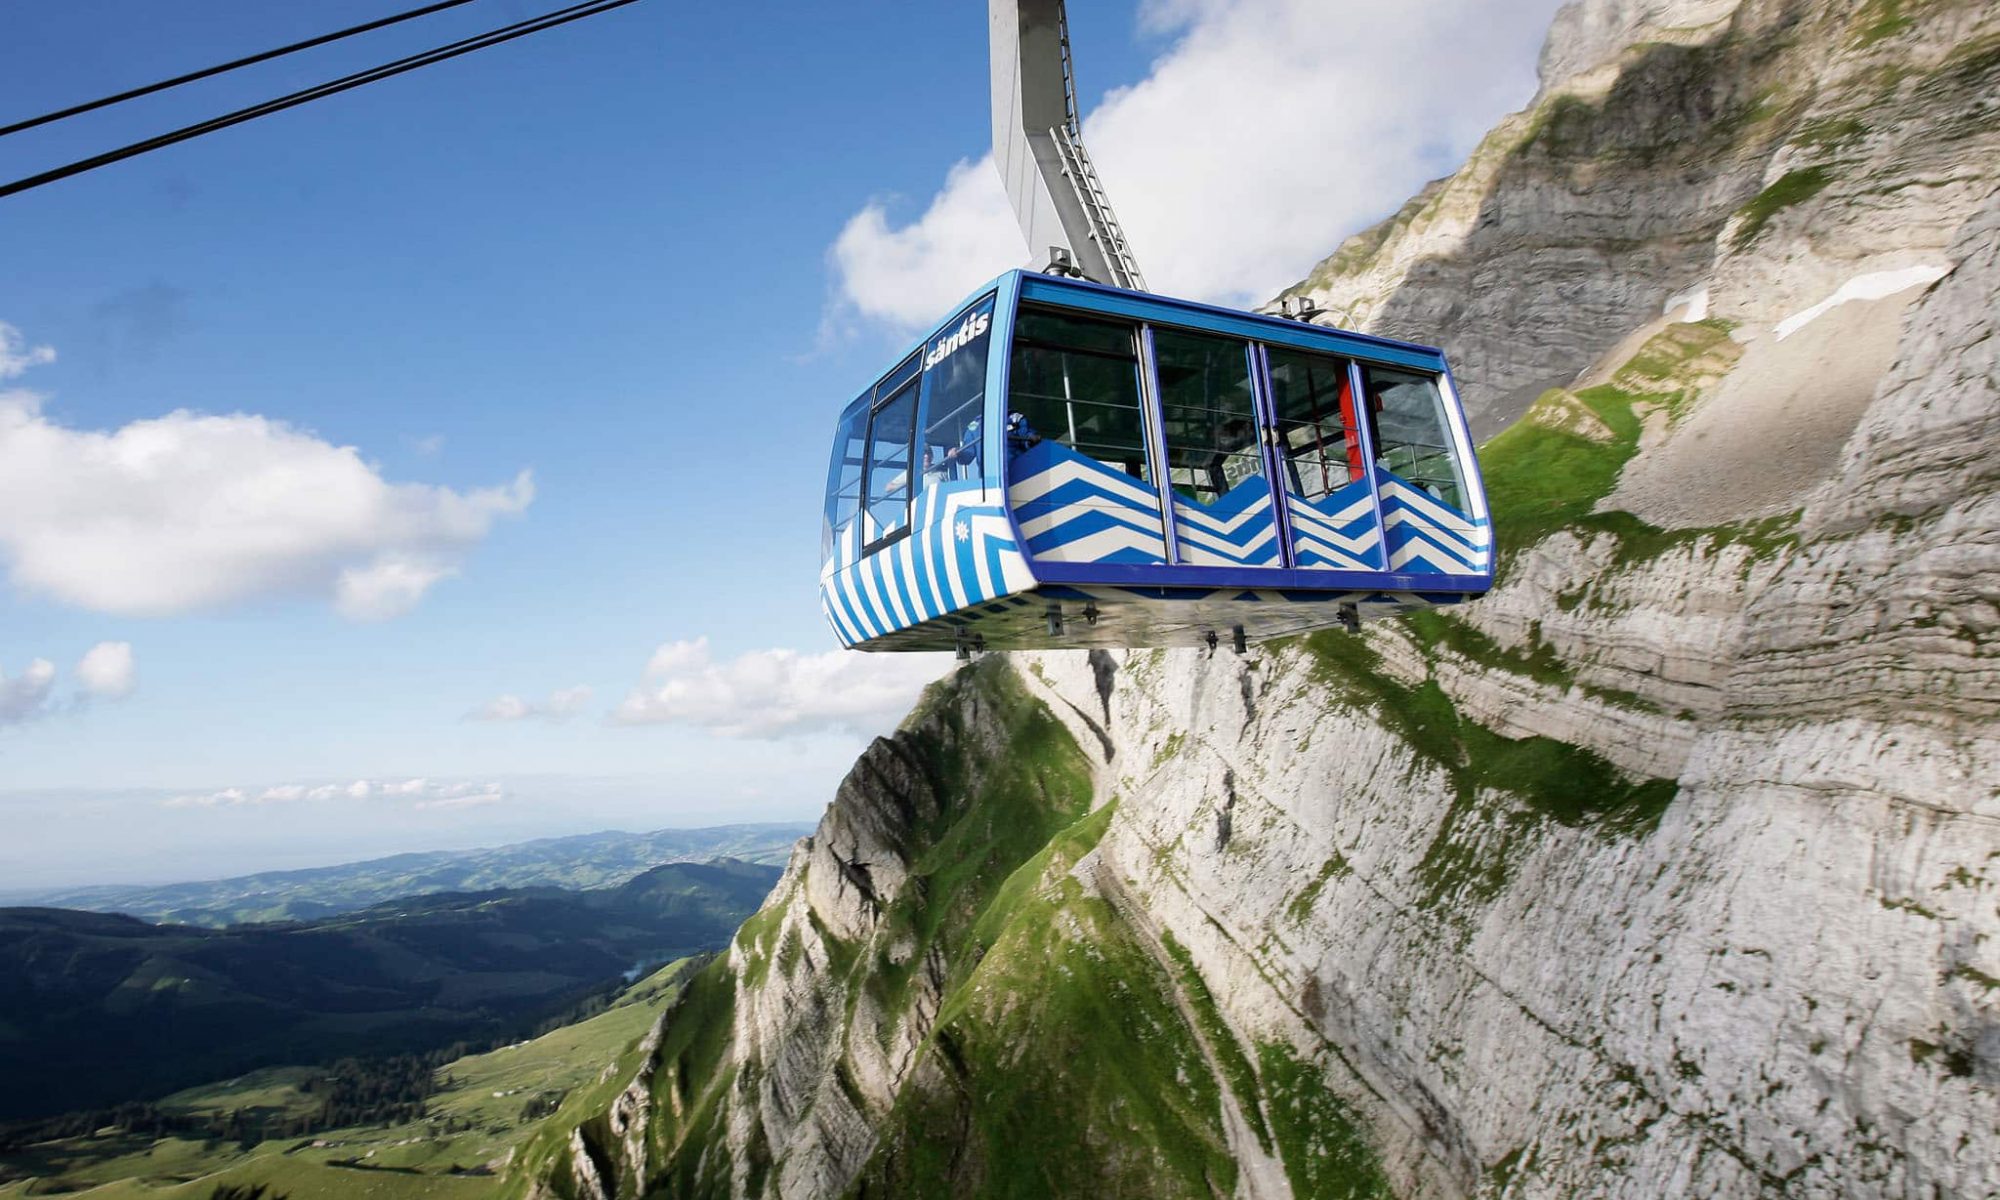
column 990, row 302
column 1256, row 389
column 912, row 384
column 1138, row 357
column 831, row 530
column 1440, row 412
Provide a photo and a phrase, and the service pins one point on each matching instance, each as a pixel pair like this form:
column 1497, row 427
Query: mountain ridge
column 575, row 861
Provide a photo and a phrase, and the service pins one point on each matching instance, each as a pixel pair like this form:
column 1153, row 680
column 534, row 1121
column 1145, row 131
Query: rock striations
column 1766, row 150
column 1671, row 869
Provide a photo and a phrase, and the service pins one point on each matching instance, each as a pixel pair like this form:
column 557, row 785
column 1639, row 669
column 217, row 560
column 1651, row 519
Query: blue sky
column 642, row 259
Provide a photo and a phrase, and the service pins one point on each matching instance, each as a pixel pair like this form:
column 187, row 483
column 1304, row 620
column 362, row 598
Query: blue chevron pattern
column 1073, row 508
column 1235, row 531
column 960, row 553
column 1337, row 530
column 1428, row 536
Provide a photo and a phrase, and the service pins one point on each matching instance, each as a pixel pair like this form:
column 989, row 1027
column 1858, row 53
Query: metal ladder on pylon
column 1104, row 227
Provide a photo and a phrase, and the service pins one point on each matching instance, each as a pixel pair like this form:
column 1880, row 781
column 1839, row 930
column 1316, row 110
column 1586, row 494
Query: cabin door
column 1213, row 442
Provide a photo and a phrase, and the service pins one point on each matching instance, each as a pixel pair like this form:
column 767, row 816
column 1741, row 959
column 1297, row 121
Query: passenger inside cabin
column 1020, row 435
column 962, row 460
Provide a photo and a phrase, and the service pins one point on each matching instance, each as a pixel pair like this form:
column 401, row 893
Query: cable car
column 1070, row 460
column 1062, row 463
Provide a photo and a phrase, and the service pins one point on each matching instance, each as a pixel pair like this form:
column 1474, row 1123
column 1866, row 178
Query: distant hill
column 100, row 1008
column 483, row 1107
column 590, row 860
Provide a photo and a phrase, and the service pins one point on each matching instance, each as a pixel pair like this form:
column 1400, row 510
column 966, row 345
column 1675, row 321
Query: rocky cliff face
column 1765, row 149
column 1669, row 869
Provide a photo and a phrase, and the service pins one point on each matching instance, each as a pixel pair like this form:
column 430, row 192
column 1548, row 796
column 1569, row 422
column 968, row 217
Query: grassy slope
column 1066, row 1034
column 484, row 1103
column 1060, row 1028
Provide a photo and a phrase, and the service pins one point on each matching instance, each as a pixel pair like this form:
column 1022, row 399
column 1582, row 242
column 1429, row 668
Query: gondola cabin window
column 1411, row 436
column 887, row 484
column 843, row 477
column 1313, row 401
column 1208, row 412
column 1075, row 380
column 954, row 399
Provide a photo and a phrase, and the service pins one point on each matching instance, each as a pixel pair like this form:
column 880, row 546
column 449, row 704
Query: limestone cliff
column 1767, row 149
column 1672, row 868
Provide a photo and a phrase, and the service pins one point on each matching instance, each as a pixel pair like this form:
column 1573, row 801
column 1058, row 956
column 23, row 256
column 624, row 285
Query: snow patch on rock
column 1693, row 302
column 1875, row 285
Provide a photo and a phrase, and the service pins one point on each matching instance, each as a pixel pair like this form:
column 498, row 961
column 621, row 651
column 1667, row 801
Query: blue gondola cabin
column 1063, row 464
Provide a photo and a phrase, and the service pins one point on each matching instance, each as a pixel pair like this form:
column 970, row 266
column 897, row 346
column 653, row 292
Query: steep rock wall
column 1767, row 149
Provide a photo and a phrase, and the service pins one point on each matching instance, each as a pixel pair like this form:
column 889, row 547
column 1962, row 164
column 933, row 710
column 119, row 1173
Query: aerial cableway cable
column 401, row 66
column 224, row 68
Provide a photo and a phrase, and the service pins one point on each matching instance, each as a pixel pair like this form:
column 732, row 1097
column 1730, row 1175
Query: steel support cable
column 563, row 16
column 224, row 68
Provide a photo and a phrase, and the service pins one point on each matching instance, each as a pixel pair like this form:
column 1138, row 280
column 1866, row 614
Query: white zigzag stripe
column 1353, row 512
column 886, row 568
column 954, row 510
column 944, row 555
column 908, row 562
column 1425, row 552
column 1359, row 543
column 1306, row 545
column 1319, row 524
column 923, row 555
column 1024, row 491
column 1450, row 537
column 985, row 528
column 1428, row 507
column 1458, row 527
column 829, row 594
column 883, row 615
column 1103, row 544
column 1215, row 547
column 1190, row 514
column 851, row 588
column 1014, row 572
column 1036, row 526
column 1301, row 511
column 1198, row 556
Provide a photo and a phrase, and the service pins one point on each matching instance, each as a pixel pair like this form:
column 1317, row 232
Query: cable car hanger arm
column 1038, row 146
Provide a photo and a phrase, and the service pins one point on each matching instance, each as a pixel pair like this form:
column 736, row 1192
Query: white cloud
column 189, row 512
column 387, row 587
column 562, row 704
column 1266, row 132
column 17, row 356
column 913, row 274
column 108, row 671
column 478, row 798
column 25, row 696
column 422, row 793
column 779, row 693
